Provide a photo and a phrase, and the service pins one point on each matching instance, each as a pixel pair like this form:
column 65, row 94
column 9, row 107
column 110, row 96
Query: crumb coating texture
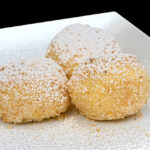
column 77, row 42
column 108, row 88
column 32, row 90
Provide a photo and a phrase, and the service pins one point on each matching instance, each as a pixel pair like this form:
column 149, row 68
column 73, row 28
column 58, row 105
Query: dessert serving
column 109, row 87
column 84, row 66
column 32, row 90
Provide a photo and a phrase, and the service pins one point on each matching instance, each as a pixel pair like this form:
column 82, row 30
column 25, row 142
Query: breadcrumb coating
column 32, row 90
column 109, row 87
column 78, row 42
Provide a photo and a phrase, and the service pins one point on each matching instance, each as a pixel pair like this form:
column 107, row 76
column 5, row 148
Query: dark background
column 9, row 17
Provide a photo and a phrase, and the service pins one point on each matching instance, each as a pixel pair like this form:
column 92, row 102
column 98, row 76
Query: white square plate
column 74, row 131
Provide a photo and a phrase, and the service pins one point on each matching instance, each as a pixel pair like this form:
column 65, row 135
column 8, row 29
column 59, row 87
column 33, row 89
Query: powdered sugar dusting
column 109, row 87
column 56, row 135
column 79, row 41
column 107, row 63
column 76, row 132
column 35, row 76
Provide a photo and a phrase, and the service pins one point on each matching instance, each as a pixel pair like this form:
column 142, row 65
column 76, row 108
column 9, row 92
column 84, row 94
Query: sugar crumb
column 91, row 124
column 98, row 129
column 9, row 127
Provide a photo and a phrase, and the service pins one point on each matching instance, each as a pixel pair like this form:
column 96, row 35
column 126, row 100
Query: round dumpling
column 109, row 87
column 77, row 42
column 32, row 90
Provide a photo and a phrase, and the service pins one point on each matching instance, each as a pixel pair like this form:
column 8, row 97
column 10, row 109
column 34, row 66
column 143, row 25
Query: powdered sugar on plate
column 75, row 131
column 35, row 76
